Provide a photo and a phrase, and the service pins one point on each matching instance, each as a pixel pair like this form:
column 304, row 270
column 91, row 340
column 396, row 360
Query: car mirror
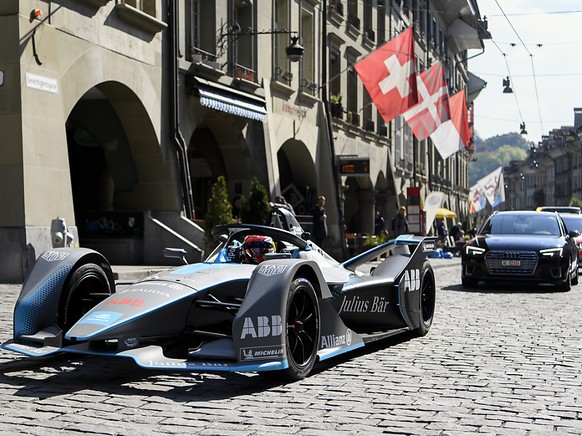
column 176, row 253
column 574, row 233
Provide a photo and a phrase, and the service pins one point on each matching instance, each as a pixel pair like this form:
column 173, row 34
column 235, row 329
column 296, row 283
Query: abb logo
column 411, row 280
column 262, row 327
column 128, row 301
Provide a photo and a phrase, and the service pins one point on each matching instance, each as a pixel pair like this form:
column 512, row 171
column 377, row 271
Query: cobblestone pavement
column 495, row 361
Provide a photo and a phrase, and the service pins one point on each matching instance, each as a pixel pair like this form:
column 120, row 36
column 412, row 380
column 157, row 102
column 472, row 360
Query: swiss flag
column 389, row 75
column 432, row 108
column 453, row 135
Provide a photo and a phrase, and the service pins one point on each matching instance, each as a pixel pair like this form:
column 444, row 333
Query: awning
column 441, row 212
column 463, row 36
column 222, row 98
column 474, row 87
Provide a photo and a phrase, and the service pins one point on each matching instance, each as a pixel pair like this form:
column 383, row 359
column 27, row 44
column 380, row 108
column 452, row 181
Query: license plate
column 512, row 262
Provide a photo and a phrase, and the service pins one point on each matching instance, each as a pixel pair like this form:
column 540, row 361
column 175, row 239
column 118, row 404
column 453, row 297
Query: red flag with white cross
column 389, row 75
column 432, row 108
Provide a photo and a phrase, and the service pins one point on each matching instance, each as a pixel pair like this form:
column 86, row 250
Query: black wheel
column 427, row 299
column 303, row 327
column 469, row 283
column 567, row 285
column 575, row 275
column 85, row 287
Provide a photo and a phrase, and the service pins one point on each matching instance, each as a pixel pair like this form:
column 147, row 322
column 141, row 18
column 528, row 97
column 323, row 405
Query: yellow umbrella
column 445, row 213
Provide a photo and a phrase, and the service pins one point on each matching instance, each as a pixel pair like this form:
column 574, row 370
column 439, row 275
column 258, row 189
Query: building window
column 334, row 71
column 352, row 93
column 281, row 41
column 381, row 23
column 146, row 6
column 308, row 42
column 243, row 48
column 200, row 32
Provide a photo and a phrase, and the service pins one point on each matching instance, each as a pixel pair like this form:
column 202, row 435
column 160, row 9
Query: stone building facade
column 118, row 115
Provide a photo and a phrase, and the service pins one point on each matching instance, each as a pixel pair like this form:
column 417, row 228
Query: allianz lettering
column 262, row 327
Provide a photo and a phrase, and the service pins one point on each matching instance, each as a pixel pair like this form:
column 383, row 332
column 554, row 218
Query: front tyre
column 302, row 320
column 85, row 288
column 427, row 299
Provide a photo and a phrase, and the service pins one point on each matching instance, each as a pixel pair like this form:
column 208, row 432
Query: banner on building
column 432, row 202
column 490, row 188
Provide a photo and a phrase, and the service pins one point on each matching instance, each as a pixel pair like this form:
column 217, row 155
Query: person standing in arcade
column 319, row 221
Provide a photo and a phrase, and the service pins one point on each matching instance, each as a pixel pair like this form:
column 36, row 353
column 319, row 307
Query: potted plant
column 219, row 212
column 255, row 209
column 335, row 106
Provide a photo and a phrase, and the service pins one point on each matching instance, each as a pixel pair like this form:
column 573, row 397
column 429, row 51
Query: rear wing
column 413, row 242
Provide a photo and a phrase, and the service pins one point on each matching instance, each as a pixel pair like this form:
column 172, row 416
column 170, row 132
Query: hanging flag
column 432, row 108
column 490, row 188
column 453, row 135
column 494, row 186
column 389, row 75
column 477, row 198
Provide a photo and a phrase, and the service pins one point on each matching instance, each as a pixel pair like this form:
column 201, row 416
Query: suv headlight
column 474, row 251
column 548, row 253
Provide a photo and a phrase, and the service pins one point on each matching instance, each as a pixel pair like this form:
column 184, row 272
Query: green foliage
column 499, row 156
column 255, row 209
column 496, row 142
column 219, row 212
column 335, row 99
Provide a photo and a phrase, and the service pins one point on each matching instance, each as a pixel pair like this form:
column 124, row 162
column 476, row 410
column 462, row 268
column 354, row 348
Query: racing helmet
column 256, row 246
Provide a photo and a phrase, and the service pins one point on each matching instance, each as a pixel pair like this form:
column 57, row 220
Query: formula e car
column 278, row 317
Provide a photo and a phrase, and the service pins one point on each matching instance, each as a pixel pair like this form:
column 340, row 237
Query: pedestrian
column 379, row 225
column 457, row 232
column 281, row 202
column 319, row 221
column 400, row 223
column 236, row 209
column 441, row 230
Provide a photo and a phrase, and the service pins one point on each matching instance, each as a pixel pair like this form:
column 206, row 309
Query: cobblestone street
column 495, row 361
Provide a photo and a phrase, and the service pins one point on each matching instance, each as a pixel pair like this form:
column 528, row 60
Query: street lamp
column 507, row 86
column 294, row 50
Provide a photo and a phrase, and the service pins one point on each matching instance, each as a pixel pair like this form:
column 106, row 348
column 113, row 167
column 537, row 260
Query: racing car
column 267, row 300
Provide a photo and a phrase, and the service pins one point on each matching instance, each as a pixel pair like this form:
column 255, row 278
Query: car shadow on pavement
column 507, row 288
column 62, row 375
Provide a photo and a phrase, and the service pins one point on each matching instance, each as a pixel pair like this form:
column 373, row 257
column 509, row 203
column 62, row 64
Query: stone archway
column 116, row 168
column 298, row 176
column 359, row 205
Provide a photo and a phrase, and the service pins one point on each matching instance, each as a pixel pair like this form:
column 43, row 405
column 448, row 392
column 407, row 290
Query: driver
column 256, row 246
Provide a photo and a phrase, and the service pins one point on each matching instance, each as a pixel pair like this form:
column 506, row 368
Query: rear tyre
column 85, row 288
column 302, row 320
column 427, row 299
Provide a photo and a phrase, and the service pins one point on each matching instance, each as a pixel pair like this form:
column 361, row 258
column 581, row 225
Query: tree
column 219, row 212
column 255, row 209
column 491, row 160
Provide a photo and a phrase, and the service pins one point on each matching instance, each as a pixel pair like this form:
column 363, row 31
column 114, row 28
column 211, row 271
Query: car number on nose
column 511, row 262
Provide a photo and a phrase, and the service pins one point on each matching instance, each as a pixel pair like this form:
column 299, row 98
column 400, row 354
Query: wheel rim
column 427, row 301
column 302, row 327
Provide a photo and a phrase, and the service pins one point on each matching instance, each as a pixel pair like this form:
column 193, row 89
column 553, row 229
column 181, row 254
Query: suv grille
column 497, row 262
